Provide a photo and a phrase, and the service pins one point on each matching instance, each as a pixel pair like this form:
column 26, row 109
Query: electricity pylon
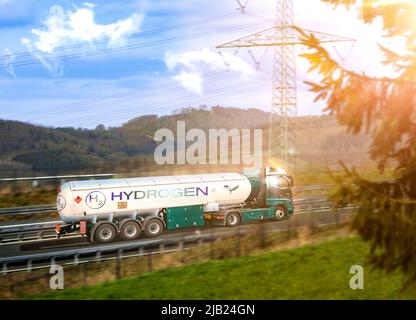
column 282, row 37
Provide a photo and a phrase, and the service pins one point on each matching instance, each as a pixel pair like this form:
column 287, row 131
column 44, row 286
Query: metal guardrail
column 45, row 208
column 328, row 186
column 102, row 175
column 26, row 210
column 97, row 254
column 45, row 230
column 27, row 232
column 27, row 227
column 51, row 207
column 40, row 226
column 313, row 187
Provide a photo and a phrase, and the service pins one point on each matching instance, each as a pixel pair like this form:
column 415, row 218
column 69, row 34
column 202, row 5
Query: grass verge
column 314, row 271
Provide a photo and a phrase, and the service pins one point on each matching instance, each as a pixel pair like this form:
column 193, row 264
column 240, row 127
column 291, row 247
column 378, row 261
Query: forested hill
column 25, row 147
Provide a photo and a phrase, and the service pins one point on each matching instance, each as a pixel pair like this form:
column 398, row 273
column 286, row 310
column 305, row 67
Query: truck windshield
column 278, row 182
column 273, row 182
column 284, row 183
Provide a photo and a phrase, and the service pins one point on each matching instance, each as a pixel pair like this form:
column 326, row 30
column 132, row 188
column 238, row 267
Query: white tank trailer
column 103, row 209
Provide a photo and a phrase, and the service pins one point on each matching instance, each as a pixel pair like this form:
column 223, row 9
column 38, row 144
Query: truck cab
column 270, row 199
column 269, row 186
column 279, row 190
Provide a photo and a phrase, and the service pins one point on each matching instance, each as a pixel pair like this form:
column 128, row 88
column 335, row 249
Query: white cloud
column 192, row 65
column 190, row 81
column 3, row 2
column 65, row 27
column 8, row 58
column 62, row 28
column 54, row 67
column 89, row 5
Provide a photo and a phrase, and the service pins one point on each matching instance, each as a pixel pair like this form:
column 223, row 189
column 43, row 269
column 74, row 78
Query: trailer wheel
column 153, row 228
column 130, row 230
column 105, row 233
column 232, row 219
column 280, row 213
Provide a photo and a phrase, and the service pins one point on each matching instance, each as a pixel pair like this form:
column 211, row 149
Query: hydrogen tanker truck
column 106, row 209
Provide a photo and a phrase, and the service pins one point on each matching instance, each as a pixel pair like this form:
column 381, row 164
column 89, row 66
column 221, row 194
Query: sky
column 81, row 64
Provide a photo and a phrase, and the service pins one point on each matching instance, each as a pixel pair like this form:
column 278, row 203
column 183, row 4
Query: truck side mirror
column 291, row 181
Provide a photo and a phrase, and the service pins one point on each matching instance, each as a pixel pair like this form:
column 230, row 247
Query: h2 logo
column 95, row 200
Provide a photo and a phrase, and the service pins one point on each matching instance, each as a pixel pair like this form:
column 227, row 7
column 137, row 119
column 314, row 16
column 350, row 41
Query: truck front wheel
column 280, row 213
column 105, row 233
column 153, row 228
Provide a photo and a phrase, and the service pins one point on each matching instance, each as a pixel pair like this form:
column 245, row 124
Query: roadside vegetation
column 313, row 271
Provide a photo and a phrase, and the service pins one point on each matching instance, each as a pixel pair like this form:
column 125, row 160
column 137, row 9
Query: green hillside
column 26, row 149
column 319, row 271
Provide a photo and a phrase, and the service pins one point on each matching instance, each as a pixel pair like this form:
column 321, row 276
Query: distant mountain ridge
column 27, row 147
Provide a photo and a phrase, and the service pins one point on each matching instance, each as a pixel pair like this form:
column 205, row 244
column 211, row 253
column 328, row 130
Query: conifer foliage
column 384, row 107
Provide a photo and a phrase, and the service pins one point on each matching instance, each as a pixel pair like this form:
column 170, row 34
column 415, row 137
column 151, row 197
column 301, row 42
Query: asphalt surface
column 76, row 241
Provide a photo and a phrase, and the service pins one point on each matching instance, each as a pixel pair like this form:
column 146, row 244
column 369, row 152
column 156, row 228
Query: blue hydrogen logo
column 159, row 193
column 95, row 200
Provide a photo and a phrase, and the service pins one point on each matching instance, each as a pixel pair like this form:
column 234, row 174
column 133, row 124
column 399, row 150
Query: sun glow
column 388, row 2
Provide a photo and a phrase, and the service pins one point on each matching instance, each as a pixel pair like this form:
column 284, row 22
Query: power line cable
column 103, row 101
column 127, row 47
column 131, row 111
column 128, row 36
column 179, row 101
column 106, row 162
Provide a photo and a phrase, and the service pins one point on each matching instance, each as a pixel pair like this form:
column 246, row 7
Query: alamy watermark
column 357, row 280
column 56, row 282
column 195, row 146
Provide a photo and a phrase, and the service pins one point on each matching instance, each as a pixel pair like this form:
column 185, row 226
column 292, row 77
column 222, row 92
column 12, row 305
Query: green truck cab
column 271, row 198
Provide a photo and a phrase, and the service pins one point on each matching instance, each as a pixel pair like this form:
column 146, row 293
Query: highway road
column 31, row 243
column 50, row 246
column 24, row 241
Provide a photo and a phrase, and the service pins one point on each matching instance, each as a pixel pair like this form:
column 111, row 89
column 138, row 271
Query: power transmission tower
column 282, row 37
